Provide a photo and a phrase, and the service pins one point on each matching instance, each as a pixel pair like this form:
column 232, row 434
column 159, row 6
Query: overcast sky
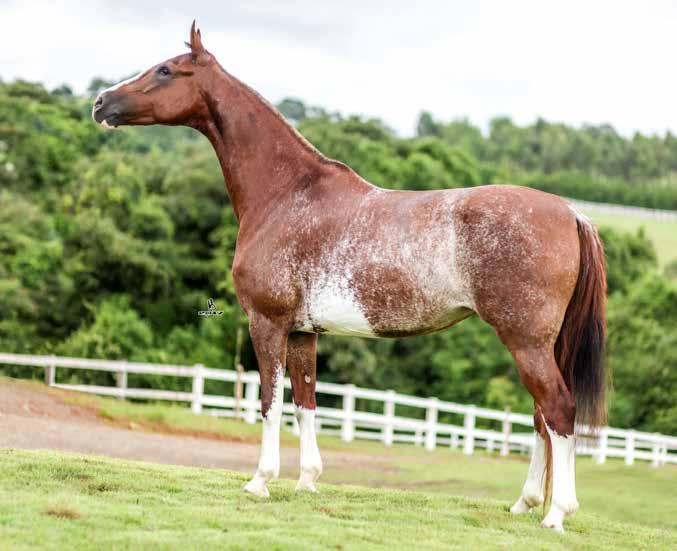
column 593, row 61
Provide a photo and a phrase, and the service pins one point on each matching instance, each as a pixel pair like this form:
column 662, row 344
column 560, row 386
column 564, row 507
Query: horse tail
column 579, row 350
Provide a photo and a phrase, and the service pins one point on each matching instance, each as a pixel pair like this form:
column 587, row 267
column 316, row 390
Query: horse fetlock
column 257, row 487
column 312, row 470
column 520, row 507
column 568, row 506
column 526, row 502
column 268, row 472
column 306, row 482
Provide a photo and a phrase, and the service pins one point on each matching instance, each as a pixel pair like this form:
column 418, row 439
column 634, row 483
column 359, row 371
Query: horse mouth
column 107, row 116
column 107, row 125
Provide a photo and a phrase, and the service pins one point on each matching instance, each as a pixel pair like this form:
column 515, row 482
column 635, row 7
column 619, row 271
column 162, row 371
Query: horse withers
column 320, row 250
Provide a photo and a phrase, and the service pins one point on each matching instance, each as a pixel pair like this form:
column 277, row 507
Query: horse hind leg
column 533, row 491
column 556, row 408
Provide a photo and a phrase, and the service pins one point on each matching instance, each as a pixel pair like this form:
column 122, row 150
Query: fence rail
column 626, row 210
column 350, row 422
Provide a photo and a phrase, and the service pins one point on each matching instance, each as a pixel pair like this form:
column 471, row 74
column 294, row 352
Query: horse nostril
column 98, row 103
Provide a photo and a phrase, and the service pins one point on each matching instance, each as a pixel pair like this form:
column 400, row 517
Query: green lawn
column 67, row 501
column 662, row 234
column 408, row 498
column 641, row 493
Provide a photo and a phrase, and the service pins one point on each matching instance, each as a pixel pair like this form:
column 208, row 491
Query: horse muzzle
column 107, row 111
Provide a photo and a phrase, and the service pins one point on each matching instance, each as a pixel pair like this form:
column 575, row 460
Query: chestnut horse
column 320, row 250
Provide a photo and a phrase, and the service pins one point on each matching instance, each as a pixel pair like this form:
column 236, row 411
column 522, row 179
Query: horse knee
column 559, row 412
column 541, row 375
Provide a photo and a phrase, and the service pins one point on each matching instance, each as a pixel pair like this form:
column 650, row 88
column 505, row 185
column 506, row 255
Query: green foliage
column 594, row 163
column 111, row 242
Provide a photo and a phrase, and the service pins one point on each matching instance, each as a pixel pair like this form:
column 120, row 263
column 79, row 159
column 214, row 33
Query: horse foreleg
column 301, row 359
column 556, row 406
column 270, row 345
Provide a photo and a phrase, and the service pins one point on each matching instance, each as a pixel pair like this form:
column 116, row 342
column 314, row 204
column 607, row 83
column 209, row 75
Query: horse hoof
column 554, row 520
column 559, row 528
column 257, row 487
column 306, row 486
column 520, row 507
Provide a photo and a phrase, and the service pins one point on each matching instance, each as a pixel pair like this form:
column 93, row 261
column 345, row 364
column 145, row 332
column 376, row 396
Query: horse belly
column 333, row 307
column 397, row 305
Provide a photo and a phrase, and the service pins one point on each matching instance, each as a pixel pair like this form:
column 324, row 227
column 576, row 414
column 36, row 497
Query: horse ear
column 197, row 50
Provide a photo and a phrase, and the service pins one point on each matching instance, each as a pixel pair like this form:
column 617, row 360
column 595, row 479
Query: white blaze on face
column 105, row 123
column 269, row 461
column 119, row 84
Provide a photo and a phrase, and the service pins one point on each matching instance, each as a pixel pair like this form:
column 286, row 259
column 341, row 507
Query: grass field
column 414, row 499
column 662, row 234
column 641, row 493
column 68, row 501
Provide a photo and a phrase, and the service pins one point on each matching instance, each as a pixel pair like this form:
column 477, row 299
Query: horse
column 321, row 250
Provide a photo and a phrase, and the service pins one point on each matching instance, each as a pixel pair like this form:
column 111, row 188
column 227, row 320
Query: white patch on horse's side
column 269, row 461
column 311, row 462
column 564, row 500
column 532, row 492
column 334, row 308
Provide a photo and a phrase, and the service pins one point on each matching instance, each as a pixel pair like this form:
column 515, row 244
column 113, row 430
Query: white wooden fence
column 350, row 422
column 626, row 210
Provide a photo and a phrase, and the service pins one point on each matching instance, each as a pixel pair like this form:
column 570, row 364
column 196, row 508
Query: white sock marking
column 564, row 500
column 269, row 461
column 311, row 462
column 532, row 492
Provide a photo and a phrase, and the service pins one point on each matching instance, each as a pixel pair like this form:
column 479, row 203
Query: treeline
column 593, row 163
column 111, row 242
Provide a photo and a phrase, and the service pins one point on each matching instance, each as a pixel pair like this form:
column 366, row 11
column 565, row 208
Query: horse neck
column 261, row 155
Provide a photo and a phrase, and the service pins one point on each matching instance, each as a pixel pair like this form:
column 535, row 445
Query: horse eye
column 164, row 70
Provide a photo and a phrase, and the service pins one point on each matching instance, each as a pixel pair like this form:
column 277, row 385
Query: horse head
column 167, row 93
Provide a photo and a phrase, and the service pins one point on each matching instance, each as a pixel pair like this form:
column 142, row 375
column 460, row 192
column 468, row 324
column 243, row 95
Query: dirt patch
column 33, row 416
column 62, row 512
column 158, row 427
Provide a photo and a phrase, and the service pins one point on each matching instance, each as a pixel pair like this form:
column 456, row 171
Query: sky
column 576, row 62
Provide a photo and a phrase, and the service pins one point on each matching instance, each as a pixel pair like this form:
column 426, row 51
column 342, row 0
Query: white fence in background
column 349, row 422
column 626, row 210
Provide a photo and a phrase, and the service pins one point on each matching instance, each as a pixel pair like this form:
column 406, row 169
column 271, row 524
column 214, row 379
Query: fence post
column 507, row 431
column 453, row 444
column 655, row 451
column 121, row 380
column 50, row 373
column 603, row 446
column 418, row 436
column 251, row 395
column 630, row 447
column 389, row 415
column 238, row 391
column 348, row 426
column 431, row 424
column 198, row 388
column 469, row 428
